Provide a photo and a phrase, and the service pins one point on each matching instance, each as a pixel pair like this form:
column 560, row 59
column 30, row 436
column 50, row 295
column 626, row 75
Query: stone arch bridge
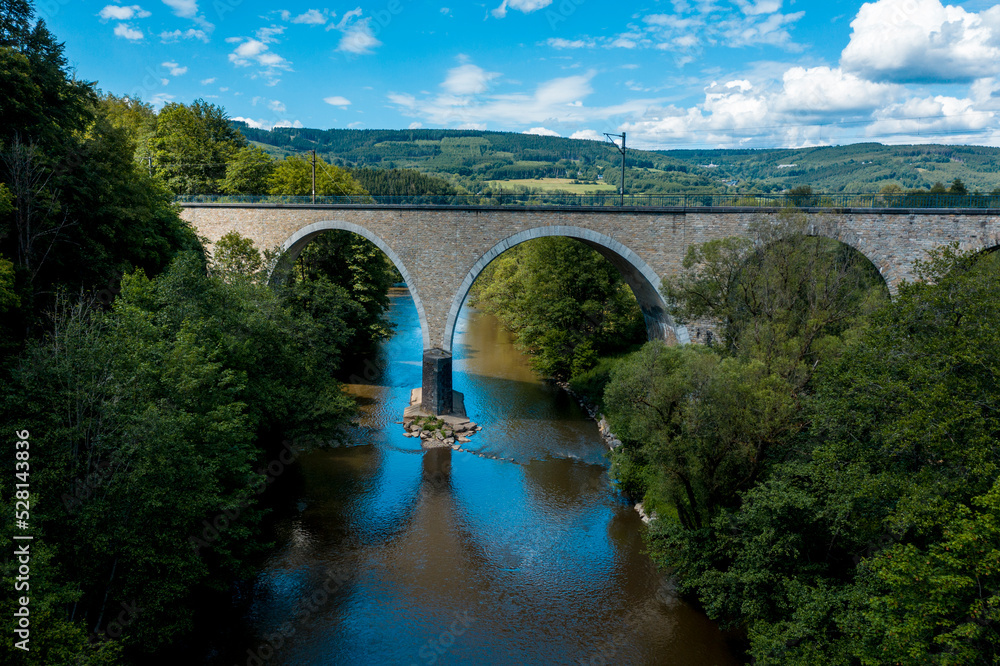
column 440, row 250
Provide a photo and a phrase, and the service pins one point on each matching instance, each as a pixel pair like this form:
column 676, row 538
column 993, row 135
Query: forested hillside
column 475, row 160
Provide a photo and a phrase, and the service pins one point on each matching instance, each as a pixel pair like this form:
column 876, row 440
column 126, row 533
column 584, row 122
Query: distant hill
column 474, row 160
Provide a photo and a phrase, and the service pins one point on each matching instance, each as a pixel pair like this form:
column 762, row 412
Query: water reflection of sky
column 541, row 551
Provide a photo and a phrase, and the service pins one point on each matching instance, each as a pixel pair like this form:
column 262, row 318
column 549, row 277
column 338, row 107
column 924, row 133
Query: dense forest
column 152, row 391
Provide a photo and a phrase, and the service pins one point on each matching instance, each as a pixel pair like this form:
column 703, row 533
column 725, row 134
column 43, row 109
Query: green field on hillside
column 553, row 185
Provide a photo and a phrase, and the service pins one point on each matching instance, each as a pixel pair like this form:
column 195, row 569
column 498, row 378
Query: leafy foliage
column 565, row 302
column 873, row 537
column 293, row 176
column 162, row 400
column 192, row 147
column 782, row 297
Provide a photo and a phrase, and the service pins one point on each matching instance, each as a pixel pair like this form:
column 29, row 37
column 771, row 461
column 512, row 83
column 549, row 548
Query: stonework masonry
column 441, row 250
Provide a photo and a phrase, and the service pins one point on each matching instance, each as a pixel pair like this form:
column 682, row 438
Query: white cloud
column 183, row 8
column 526, row 6
column 126, row 31
column 269, row 35
column 358, row 37
column 926, row 119
column 468, row 79
column 587, row 134
column 268, row 124
column 249, row 52
column 311, row 17
column 415, row 125
column 556, row 102
column 159, row 99
column 447, row 12
column 276, row 106
column 123, row 13
column 922, row 41
column 337, row 100
column 206, row 82
column 189, row 9
column 175, row 69
column 560, row 43
column 822, row 89
column 541, row 131
column 177, row 35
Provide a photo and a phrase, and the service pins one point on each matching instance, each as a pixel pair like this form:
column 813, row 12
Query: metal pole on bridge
column 314, row 177
column 621, row 149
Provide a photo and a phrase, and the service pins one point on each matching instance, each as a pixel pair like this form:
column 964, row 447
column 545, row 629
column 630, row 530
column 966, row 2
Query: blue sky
column 672, row 73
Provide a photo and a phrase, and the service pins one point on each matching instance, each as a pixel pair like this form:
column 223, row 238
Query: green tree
column 875, row 540
column 782, row 297
column 249, row 172
column 701, row 424
column 137, row 119
column 193, row 146
column 358, row 267
column 565, row 302
column 293, row 176
column 162, row 400
column 234, row 256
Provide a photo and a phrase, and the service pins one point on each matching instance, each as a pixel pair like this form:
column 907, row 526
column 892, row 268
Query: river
column 522, row 552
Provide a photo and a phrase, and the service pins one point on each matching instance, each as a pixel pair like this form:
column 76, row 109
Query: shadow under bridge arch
column 292, row 248
column 639, row 276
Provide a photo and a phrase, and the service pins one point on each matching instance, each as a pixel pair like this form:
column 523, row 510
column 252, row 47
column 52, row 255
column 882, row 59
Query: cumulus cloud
column 250, row 52
column 175, row 69
column 560, row 43
column 189, row 9
column 822, row 89
column 541, row 131
column 922, row 41
column 795, row 111
column 311, row 17
column 926, row 119
column 526, row 6
column 357, row 35
column 123, row 13
column 589, row 134
column 177, row 35
column 268, row 124
column 468, row 79
column 183, row 8
column 554, row 102
column 126, row 31
column 337, row 100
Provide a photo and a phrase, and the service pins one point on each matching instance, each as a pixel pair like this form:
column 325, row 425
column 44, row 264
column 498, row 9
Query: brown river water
column 520, row 552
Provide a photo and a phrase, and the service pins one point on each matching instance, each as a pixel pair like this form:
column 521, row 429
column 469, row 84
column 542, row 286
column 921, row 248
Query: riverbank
column 612, row 442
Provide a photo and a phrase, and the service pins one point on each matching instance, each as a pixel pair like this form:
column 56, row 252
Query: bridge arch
column 292, row 247
column 639, row 276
